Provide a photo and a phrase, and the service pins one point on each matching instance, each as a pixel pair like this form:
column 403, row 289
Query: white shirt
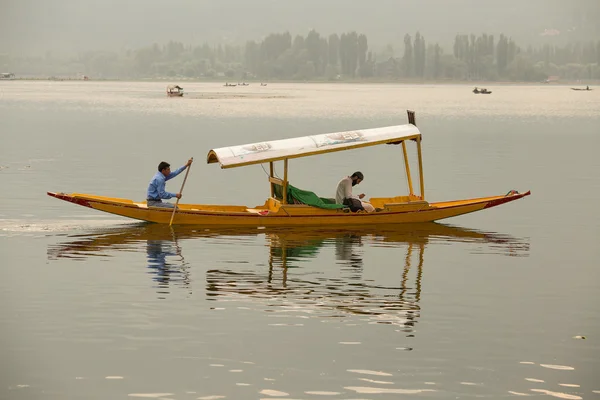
column 344, row 190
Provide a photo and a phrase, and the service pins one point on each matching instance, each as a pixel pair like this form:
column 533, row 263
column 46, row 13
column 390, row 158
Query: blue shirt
column 156, row 188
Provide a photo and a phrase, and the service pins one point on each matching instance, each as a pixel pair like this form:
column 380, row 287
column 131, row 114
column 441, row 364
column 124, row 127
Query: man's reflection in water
column 166, row 264
column 348, row 249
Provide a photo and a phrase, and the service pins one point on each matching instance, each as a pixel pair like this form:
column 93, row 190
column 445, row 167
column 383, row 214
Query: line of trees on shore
column 279, row 56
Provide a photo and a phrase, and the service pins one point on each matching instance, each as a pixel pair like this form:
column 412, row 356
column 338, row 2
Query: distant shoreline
column 182, row 81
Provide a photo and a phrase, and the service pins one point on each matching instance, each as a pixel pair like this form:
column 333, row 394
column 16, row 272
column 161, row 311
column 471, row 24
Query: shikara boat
column 586, row 89
column 299, row 207
column 481, row 91
column 174, row 91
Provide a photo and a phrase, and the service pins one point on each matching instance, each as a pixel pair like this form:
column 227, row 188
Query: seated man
column 344, row 194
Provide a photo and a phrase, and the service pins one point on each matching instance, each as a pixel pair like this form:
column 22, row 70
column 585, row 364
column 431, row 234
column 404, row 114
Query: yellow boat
column 302, row 208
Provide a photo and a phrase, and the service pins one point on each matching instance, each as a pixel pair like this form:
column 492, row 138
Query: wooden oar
column 181, row 192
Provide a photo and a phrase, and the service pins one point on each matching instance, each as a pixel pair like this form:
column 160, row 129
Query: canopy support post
column 285, row 180
column 271, row 170
column 421, row 179
column 407, row 167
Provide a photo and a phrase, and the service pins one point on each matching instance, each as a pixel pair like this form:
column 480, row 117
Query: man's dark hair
column 163, row 165
column 358, row 175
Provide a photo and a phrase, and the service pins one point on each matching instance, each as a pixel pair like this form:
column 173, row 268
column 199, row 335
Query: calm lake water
column 492, row 304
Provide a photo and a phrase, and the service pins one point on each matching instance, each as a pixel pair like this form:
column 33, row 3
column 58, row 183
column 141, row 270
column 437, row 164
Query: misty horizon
column 29, row 27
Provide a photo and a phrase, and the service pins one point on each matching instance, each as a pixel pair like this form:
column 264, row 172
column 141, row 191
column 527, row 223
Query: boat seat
column 257, row 211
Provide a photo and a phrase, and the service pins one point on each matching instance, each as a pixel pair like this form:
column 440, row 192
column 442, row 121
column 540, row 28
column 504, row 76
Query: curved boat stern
column 70, row 199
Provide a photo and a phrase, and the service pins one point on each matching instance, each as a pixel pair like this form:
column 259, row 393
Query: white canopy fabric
column 275, row 150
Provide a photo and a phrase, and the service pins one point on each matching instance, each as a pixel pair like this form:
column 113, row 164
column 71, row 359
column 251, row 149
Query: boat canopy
column 276, row 150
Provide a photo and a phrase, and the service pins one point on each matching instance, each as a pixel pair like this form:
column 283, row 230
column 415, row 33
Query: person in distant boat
column 343, row 194
column 156, row 188
column 587, row 88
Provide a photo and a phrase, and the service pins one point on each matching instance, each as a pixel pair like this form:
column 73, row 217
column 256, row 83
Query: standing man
column 156, row 188
column 343, row 194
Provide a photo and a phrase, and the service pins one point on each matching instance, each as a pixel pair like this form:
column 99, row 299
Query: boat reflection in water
column 349, row 290
column 297, row 278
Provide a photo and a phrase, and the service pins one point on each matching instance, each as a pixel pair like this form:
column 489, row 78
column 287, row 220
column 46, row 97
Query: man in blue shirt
column 156, row 188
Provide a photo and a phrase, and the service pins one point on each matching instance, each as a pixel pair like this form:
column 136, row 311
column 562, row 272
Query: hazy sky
column 36, row 26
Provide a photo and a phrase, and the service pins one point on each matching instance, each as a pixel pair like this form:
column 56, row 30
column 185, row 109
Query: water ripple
column 558, row 394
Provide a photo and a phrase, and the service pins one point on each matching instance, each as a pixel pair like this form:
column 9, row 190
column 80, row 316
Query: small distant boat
column 243, row 84
column 587, row 88
column 263, row 84
column 174, row 91
column 7, row 76
column 481, row 91
column 229, row 84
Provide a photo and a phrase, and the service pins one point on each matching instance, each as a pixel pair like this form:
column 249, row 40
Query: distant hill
column 34, row 27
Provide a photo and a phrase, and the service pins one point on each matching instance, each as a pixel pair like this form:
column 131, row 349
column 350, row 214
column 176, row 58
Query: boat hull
column 272, row 214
